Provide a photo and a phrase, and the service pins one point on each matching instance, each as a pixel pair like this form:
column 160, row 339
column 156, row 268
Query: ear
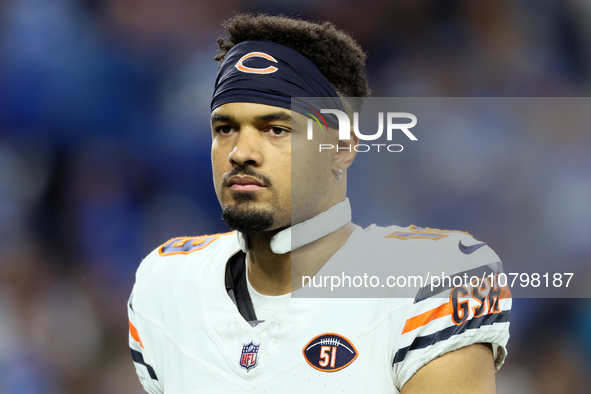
column 346, row 152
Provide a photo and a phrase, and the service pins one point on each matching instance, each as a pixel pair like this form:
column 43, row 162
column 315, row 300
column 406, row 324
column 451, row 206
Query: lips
column 239, row 183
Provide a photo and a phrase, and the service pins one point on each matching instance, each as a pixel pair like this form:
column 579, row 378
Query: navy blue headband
column 268, row 73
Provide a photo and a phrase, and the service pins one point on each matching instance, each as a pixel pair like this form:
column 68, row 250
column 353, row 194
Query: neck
column 277, row 274
column 268, row 273
column 315, row 241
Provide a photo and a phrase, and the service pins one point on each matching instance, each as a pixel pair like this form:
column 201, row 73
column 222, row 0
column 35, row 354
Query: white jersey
column 187, row 335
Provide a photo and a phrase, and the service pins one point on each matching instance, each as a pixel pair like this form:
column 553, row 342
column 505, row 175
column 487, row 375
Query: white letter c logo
column 245, row 69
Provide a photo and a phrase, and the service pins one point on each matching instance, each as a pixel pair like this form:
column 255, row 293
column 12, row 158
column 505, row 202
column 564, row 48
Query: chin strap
column 308, row 231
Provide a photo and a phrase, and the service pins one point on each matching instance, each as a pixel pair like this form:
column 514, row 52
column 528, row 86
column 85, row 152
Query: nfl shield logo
column 249, row 356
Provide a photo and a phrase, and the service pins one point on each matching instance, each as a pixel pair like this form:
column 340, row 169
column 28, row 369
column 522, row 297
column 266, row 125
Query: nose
column 247, row 149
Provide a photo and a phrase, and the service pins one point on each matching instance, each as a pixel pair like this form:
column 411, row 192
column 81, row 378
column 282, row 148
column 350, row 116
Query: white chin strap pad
column 307, row 231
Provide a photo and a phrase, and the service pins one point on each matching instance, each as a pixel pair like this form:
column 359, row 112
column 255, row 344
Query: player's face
column 251, row 160
column 253, row 148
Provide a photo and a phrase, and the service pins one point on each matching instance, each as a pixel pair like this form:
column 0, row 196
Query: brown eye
column 275, row 130
column 224, row 129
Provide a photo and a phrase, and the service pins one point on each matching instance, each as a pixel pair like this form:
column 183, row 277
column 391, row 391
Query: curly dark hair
column 336, row 54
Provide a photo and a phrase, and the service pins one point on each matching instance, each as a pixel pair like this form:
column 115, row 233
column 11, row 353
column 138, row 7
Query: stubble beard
column 245, row 217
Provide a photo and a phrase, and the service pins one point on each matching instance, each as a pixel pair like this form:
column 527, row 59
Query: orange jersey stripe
column 443, row 310
column 134, row 334
column 424, row 318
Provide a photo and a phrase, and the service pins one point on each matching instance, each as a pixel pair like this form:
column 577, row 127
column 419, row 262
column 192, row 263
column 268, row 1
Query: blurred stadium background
column 104, row 155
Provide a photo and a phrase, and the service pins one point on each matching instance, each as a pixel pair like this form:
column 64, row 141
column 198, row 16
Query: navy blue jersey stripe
column 479, row 272
column 446, row 333
column 139, row 358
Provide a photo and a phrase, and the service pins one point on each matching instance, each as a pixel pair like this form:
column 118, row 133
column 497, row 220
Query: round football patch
column 329, row 352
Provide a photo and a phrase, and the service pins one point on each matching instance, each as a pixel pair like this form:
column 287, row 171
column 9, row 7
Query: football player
column 214, row 313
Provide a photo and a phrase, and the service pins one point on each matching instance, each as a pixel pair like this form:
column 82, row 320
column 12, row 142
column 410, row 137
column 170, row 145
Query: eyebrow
column 221, row 118
column 280, row 116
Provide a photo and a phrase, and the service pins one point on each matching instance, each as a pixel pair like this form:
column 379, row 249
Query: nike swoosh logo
column 470, row 249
